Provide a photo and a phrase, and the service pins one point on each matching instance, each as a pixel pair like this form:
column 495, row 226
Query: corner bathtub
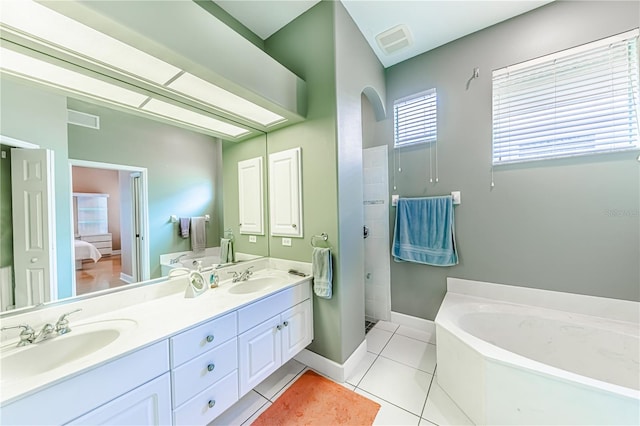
column 519, row 355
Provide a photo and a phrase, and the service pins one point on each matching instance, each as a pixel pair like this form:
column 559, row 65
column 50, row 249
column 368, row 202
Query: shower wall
column 377, row 285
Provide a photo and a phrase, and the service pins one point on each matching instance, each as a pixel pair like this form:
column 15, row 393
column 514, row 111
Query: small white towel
column 322, row 272
column 198, row 233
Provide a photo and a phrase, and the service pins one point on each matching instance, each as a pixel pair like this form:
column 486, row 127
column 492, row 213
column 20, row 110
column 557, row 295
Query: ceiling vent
column 83, row 119
column 394, row 39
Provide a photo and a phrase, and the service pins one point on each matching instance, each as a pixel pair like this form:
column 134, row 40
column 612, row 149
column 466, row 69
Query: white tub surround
column 515, row 355
column 173, row 329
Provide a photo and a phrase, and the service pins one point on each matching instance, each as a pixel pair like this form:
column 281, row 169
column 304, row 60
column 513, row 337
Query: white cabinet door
column 260, row 353
column 149, row 404
column 250, row 196
column 297, row 329
column 285, row 193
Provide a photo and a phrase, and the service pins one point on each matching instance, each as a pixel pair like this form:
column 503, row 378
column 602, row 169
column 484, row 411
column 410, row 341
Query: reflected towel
column 184, row 227
column 198, row 233
column 227, row 254
column 322, row 272
column 424, row 231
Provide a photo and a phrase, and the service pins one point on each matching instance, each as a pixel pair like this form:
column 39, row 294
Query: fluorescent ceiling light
column 211, row 94
column 186, row 116
column 34, row 69
column 34, row 19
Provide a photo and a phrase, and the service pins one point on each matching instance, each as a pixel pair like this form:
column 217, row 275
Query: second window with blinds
column 579, row 101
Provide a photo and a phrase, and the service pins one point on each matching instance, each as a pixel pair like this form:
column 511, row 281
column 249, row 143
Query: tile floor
column 397, row 372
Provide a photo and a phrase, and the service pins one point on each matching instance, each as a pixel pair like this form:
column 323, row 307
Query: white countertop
column 155, row 320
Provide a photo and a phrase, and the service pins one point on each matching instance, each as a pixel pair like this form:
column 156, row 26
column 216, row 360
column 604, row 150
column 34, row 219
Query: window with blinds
column 414, row 119
column 579, row 101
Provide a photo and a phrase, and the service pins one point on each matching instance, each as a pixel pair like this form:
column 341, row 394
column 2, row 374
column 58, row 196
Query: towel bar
column 174, row 218
column 323, row 237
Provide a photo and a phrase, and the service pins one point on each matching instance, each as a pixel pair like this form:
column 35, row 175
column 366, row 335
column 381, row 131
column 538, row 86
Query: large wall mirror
column 189, row 174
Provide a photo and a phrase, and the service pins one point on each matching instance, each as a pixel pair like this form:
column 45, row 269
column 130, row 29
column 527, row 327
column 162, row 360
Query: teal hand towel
column 424, row 231
column 322, row 272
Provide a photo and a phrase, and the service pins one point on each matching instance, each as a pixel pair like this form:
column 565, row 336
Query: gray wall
column 551, row 224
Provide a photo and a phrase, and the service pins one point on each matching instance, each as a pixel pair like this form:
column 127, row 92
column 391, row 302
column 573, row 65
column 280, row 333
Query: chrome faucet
column 27, row 335
column 242, row 276
column 62, row 326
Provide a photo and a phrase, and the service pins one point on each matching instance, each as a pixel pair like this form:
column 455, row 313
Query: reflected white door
column 33, row 230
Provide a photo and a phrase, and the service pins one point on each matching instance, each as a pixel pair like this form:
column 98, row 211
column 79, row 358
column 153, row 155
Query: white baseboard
column 126, row 278
column 331, row 369
column 413, row 322
column 116, row 252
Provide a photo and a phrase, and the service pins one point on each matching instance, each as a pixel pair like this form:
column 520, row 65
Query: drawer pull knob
column 211, row 366
column 286, row 323
column 212, row 403
column 279, row 327
column 210, row 338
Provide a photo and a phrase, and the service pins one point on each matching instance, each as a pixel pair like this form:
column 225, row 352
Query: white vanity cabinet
column 271, row 340
column 133, row 388
column 204, row 370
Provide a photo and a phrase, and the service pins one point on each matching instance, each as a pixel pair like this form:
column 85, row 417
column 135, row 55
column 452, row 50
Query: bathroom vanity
column 171, row 360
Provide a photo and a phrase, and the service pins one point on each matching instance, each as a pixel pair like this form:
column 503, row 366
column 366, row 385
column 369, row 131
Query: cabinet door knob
column 211, row 366
column 294, row 225
column 279, row 327
column 210, row 338
column 34, row 259
column 286, row 323
column 211, row 403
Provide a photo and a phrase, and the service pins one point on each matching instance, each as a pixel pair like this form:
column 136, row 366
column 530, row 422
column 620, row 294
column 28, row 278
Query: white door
column 297, row 330
column 250, row 196
column 260, row 353
column 33, row 226
column 285, row 193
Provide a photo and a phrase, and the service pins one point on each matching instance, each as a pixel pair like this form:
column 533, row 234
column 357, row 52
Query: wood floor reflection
column 101, row 275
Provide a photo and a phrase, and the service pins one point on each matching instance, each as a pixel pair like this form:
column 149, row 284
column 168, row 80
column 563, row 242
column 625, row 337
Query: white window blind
column 414, row 119
column 579, row 101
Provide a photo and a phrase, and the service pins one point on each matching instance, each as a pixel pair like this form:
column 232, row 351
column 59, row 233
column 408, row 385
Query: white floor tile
column 256, row 414
column 425, row 336
column 389, row 414
column 239, row 412
column 279, row 379
column 424, row 422
column 397, row 383
column 386, row 325
column 441, row 410
column 377, row 338
column 362, row 368
column 412, row 352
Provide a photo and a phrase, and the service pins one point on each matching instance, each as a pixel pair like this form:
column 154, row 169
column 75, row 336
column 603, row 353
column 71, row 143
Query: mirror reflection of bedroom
column 103, row 210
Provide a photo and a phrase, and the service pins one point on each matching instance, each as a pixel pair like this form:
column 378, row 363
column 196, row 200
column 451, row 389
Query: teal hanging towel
column 424, row 231
column 322, row 272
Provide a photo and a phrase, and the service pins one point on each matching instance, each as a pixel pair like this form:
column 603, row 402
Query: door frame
column 144, row 267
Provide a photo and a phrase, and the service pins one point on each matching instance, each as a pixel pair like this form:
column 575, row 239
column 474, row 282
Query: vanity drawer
column 202, row 338
column 260, row 311
column 194, row 376
column 209, row 404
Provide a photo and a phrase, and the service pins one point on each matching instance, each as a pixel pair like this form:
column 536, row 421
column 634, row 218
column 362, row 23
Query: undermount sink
column 81, row 341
